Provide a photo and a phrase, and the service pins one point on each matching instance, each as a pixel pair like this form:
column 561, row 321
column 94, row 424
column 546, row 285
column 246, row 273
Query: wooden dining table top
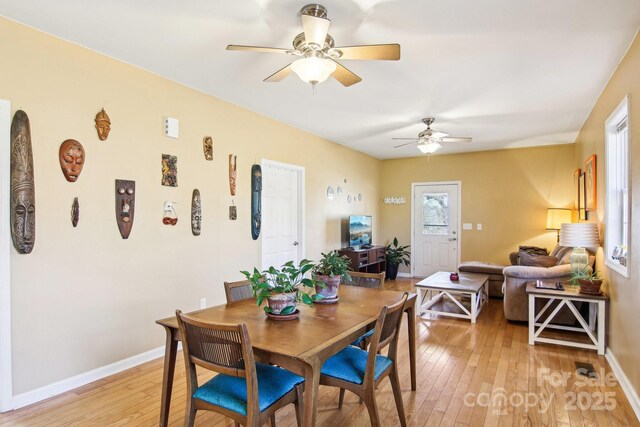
column 315, row 328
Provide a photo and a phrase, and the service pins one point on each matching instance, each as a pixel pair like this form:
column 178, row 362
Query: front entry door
column 435, row 239
column 282, row 207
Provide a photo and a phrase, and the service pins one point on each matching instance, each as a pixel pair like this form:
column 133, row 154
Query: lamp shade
column 557, row 216
column 313, row 70
column 583, row 235
column 429, row 147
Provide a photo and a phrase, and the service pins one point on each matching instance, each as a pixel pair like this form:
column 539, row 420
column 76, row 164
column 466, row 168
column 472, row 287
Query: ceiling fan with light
column 317, row 52
column 429, row 140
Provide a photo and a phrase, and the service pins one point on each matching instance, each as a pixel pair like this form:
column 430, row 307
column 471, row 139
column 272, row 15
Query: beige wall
column 624, row 326
column 507, row 191
column 85, row 297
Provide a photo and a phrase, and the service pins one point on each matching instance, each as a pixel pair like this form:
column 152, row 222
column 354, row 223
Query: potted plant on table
column 330, row 271
column 588, row 280
column 283, row 288
column 396, row 255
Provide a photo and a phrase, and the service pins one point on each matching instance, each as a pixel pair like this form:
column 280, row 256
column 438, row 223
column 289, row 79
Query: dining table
column 301, row 345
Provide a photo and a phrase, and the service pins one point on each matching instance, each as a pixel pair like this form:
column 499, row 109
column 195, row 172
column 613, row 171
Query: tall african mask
column 256, row 201
column 71, row 156
column 196, row 212
column 232, row 173
column 125, row 205
column 103, row 125
column 23, row 198
column 207, row 147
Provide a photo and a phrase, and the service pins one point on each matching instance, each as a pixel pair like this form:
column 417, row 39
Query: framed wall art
column 590, row 188
column 582, row 212
column 576, row 189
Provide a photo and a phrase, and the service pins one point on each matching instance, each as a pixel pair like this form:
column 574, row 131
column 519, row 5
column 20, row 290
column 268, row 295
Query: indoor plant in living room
column 330, row 271
column 396, row 255
column 589, row 281
column 283, row 288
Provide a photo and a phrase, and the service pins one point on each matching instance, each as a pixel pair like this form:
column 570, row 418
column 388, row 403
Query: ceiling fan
column 429, row 140
column 317, row 52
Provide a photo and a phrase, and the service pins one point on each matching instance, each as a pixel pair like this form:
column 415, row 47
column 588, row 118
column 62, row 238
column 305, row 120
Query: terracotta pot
column 590, row 286
column 332, row 284
column 277, row 302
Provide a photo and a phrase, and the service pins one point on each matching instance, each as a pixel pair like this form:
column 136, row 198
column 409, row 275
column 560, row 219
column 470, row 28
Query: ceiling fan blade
column 438, row 135
column 387, row 52
column 414, row 139
column 407, row 143
column 345, row 76
column 279, row 75
column 315, row 29
column 257, row 49
column 455, row 139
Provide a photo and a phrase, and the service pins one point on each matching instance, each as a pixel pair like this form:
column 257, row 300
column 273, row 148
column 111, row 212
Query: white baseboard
column 45, row 392
column 629, row 391
column 405, row 275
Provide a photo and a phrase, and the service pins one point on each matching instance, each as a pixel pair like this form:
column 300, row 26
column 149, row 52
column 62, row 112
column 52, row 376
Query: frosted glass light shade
column 429, row 148
column 582, row 235
column 313, row 70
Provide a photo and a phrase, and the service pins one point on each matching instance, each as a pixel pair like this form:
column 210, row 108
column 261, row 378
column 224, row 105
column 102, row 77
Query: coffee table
column 437, row 288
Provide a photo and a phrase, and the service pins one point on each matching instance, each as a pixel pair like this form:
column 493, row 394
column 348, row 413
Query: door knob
column 452, row 239
column 295, row 243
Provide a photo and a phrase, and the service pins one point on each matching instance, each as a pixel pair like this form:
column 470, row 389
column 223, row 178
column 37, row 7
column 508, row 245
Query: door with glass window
column 435, row 240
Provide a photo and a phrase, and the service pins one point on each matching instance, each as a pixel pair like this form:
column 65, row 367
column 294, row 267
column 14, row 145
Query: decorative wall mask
column 170, row 215
column 207, row 147
column 196, row 212
column 71, row 156
column 169, row 170
column 75, row 212
column 125, row 205
column 232, row 173
column 256, row 201
column 22, row 202
column 103, row 125
column 233, row 213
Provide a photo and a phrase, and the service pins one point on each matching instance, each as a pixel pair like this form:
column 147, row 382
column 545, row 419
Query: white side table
column 594, row 327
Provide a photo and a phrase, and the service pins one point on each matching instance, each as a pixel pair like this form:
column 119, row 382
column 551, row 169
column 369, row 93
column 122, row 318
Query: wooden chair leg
column 370, row 401
column 341, row 398
column 299, row 404
column 397, row 395
column 236, row 424
column 190, row 414
column 273, row 420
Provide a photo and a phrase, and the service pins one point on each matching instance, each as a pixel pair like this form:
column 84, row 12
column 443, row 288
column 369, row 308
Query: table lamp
column 556, row 217
column 579, row 236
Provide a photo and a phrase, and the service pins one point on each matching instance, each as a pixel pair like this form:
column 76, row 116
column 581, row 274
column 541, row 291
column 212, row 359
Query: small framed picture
column 590, row 188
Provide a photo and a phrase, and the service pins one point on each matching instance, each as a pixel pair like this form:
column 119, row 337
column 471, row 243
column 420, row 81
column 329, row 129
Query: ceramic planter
column 277, row 302
column 330, row 291
column 590, row 286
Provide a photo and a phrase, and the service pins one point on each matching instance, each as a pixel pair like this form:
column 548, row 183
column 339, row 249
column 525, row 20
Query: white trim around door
column 6, row 381
column 459, row 241
column 300, row 172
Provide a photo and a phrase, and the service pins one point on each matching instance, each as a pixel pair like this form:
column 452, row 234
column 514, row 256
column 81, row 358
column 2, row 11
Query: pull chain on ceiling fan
column 317, row 52
column 429, row 140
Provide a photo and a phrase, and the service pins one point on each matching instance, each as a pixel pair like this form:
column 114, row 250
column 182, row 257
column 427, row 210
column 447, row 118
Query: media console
column 371, row 260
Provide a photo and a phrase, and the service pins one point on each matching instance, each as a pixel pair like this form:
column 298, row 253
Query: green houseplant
column 588, row 280
column 396, row 255
column 329, row 271
column 283, row 288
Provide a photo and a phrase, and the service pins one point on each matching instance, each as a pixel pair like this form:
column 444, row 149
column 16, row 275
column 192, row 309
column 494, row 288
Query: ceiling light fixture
column 313, row 70
column 429, row 147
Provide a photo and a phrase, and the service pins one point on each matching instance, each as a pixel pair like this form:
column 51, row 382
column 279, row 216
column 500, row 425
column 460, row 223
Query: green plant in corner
column 396, row 255
column 288, row 279
column 333, row 264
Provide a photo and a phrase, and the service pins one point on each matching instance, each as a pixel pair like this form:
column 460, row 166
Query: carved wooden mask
column 256, row 201
column 125, row 205
column 196, row 213
column 232, row 174
column 75, row 212
column 103, row 125
column 71, row 156
column 23, row 198
column 207, row 147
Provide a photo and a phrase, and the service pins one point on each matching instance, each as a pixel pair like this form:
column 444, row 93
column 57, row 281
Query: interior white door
column 435, row 228
column 282, row 205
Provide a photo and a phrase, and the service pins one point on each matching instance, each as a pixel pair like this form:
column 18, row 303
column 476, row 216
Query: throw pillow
column 533, row 250
column 537, row 260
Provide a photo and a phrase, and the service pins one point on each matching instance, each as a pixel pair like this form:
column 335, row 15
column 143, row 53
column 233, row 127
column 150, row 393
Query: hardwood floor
column 468, row 375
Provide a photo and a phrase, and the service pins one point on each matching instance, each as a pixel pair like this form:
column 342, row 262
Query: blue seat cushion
column 350, row 363
column 363, row 337
column 231, row 392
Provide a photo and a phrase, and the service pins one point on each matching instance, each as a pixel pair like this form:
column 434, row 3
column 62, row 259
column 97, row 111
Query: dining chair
column 360, row 371
column 237, row 291
column 364, row 280
column 248, row 392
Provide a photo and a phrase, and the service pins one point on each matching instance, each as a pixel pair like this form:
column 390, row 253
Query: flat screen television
column 359, row 231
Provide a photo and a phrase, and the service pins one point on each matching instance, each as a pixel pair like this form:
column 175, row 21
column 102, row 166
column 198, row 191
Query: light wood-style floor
column 468, row 375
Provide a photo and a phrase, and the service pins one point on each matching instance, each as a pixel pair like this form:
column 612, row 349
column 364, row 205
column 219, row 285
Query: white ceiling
column 509, row 73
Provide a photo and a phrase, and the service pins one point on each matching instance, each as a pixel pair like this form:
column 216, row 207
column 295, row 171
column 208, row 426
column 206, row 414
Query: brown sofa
column 493, row 270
